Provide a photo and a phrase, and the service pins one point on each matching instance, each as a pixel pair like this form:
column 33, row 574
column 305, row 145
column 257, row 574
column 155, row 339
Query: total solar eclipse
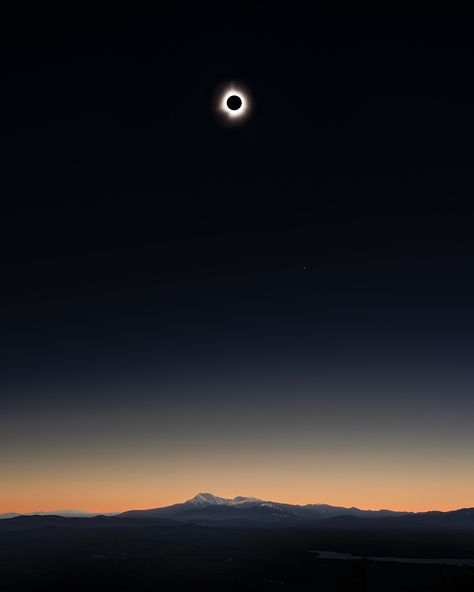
column 233, row 104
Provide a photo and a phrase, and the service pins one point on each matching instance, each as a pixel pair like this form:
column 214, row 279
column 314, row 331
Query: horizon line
column 151, row 507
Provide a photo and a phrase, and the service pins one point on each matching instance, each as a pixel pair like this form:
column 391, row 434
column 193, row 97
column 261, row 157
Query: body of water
column 429, row 561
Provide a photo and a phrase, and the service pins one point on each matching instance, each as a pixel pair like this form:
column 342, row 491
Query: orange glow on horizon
column 105, row 499
column 130, row 473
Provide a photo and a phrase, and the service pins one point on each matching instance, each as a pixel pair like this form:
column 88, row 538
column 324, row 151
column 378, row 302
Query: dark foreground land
column 162, row 556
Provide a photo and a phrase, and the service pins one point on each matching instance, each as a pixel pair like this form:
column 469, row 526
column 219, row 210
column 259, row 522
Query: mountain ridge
column 63, row 513
column 207, row 507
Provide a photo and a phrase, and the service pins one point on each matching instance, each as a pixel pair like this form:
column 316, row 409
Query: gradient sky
column 282, row 310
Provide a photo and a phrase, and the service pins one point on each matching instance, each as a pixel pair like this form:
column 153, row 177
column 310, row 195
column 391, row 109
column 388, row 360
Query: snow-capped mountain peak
column 209, row 499
column 206, row 499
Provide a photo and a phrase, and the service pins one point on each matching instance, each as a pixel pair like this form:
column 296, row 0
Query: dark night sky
column 301, row 280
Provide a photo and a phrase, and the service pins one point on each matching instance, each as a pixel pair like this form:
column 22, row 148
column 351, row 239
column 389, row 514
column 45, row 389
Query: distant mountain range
column 209, row 509
column 207, row 506
column 64, row 513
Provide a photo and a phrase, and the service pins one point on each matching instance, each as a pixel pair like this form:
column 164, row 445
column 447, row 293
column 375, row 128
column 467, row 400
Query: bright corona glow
column 233, row 115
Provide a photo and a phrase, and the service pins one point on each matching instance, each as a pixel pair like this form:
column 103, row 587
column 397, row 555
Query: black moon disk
column 234, row 103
